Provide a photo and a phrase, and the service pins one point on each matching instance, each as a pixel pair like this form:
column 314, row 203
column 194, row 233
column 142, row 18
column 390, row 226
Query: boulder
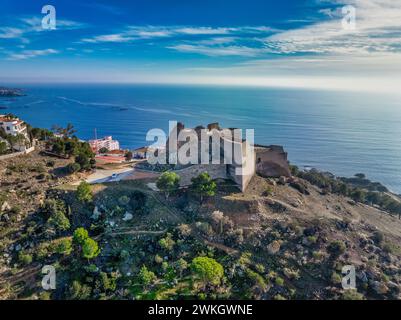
column 394, row 289
column 274, row 247
column 379, row 287
column 128, row 216
column 362, row 277
column 96, row 213
column 5, row 207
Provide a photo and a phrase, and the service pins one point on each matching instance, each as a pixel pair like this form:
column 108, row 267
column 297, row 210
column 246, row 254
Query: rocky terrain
column 275, row 241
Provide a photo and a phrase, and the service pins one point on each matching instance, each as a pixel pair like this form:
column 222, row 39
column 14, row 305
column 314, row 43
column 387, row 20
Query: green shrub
column 260, row 267
column 59, row 221
column 268, row 191
column 317, row 255
column 24, row 258
column 84, row 192
column 56, row 212
column 312, row 239
column 336, row 278
column 50, row 163
column 45, row 295
column 63, row 246
column 42, row 250
column 352, row 294
column 392, row 248
column 146, row 277
column 124, row 200
column 108, row 282
column 208, row 270
column 279, row 281
column 78, row 291
column 90, row 249
column 336, row 248
column 256, row 278
column 203, row 186
column 3, row 147
column 158, row 259
column 80, row 235
column 167, row 243
column 73, row 167
column 168, row 182
column 378, row 238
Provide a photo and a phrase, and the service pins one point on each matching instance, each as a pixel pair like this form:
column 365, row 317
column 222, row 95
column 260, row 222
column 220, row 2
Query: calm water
column 344, row 133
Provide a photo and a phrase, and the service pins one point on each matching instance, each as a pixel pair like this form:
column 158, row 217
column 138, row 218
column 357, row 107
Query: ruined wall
column 271, row 161
column 216, row 171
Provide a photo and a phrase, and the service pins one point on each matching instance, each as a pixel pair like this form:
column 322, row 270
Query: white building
column 106, row 142
column 13, row 126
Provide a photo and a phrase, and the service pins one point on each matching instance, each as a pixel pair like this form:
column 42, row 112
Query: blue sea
column 341, row 132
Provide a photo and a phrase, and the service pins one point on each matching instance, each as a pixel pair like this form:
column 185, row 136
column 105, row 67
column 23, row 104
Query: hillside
column 273, row 241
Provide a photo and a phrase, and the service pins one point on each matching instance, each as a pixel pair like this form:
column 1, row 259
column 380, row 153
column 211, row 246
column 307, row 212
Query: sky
column 287, row 43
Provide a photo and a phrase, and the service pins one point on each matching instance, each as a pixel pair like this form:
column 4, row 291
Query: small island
column 10, row 92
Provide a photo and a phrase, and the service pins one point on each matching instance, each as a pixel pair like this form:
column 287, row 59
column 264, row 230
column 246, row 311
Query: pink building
column 106, row 142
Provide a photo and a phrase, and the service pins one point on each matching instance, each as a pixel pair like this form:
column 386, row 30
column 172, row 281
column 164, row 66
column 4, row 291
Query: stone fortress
column 266, row 161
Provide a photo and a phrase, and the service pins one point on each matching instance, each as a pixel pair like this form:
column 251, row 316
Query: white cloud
column 129, row 35
column 152, row 34
column 203, row 30
column 10, row 32
column 27, row 26
column 378, row 29
column 26, row 54
column 132, row 33
column 109, row 38
column 217, row 51
column 217, row 41
column 35, row 24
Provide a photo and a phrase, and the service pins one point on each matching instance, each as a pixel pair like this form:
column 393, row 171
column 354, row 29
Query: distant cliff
column 9, row 92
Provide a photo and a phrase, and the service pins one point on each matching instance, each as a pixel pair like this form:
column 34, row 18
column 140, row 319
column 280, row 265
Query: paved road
column 101, row 176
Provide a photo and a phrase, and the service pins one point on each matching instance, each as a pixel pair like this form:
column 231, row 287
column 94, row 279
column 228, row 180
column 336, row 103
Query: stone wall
column 16, row 154
column 216, row 171
column 271, row 161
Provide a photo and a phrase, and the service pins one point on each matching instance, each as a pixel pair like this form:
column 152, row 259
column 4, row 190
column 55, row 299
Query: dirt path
column 222, row 247
column 138, row 232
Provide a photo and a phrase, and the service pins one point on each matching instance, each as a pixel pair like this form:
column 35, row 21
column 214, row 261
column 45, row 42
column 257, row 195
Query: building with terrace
column 13, row 126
